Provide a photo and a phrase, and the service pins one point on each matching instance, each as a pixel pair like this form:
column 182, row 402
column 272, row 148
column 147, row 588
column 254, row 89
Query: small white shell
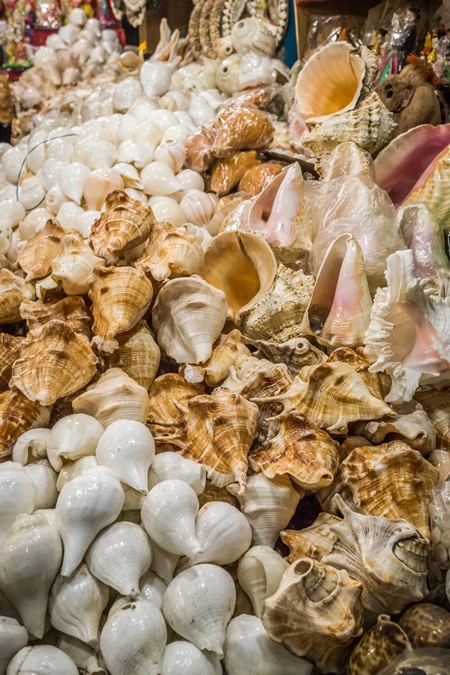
column 170, row 465
column 127, row 92
column 198, row 207
column 44, row 478
column 54, row 199
column 184, row 657
column 17, row 495
column 190, row 180
column 71, row 181
column 12, row 213
column 223, row 533
column 13, row 637
column 73, row 437
column 31, row 193
column 156, row 78
column 73, row 469
column 30, row 446
column 69, row 214
column 166, row 209
column 135, row 153
column 159, row 179
column 41, row 660
column 173, row 154
column 152, row 588
column 259, row 573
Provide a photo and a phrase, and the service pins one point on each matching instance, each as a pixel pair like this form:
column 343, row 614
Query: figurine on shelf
column 399, row 42
column 48, row 14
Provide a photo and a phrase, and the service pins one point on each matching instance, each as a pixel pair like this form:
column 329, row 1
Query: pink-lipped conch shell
column 408, row 335
column 330, row 83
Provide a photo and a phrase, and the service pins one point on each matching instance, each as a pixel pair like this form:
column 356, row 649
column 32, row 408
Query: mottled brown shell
column 71, row 310
column 437, row 406
column 138, row 354
column 199, row 156
column 9, row 352
column 378, row 647
column 13, row 290
column 17, row 415
column 38, row 253
column 426, row 625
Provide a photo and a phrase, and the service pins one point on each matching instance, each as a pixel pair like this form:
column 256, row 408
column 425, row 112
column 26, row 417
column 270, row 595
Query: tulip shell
column 259, row 574
column 167, row 465
column 156, row 78
column 159, row 179
column 44, row 478
column 72, row 180
column 198, row 605
column 13, row 637
column 223, row 533
column 41, row 660
column 190, row 659
column 73, row 437
column 152, row 588
column 17, row 495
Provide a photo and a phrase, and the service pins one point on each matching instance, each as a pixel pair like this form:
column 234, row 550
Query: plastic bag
column 199, row 155
column 241, row 128
column 423, row 236
column 227, row 172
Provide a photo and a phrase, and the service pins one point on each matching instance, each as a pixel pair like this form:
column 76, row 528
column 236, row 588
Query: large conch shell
column 54, row 362
column 241, row 265
column 338, row 313
column 74, row 264
column 437, row 405
column 432, row 188
column 414, row 427
column 226, row 351
column 17, row 415
column 125, row 224
column 38, row 253
column 220, row 431
column 138, row 354
column 70, row 310
column 330, row 83
column 13, row 291
column 315, row 541
column 189, row 315
column 120, row 297
column 316, row 612
column 9, row 352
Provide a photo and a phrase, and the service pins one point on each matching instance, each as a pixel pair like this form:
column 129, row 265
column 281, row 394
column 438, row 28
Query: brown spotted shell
column 71, row 310
column 9, row 352
column 138, row 354
column 38, row 253
column 378, row 647
column 426, row 625
column 17, row 415
column 13, row 290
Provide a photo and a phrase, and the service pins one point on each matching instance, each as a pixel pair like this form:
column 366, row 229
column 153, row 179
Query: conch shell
column 71, row 310
column 226, row 351
column 13, row 290
column 415, row 428
column 120, row 297
column 54, row 362
column 17, row 415
column 295, row 354
column 437, row 406
column 38, row 253
column 240, row 128
column 9, row 352
column 74, row 264
column 138, row 354
column 315, row 541
column 253, row 35
column 432, row 188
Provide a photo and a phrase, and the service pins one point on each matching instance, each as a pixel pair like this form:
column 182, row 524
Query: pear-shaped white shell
column 223, row 533
column 73, row 437
column 168, row 465
column 184, row 657
column 41, row 660
column 13, row 637
column 17, row 494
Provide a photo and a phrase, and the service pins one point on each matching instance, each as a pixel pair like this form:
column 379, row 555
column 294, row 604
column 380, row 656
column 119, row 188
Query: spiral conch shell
column 252, row 35
column 54, row 362
column 226, row 351
column 13, row 290
column 437, row 405
column 9, row 352
column 315, row 541
column 125, row 224
column 17, row 415
column 39, row 251
column 120, row 297
column 138, row 354
column 74, row 264
column 71, row 310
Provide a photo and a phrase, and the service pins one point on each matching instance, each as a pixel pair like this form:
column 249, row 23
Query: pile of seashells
column 224, row 416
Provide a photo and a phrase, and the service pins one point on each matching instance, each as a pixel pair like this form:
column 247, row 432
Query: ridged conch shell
column 241, row 265
column 198, row 605
column 431, row 188
column 125, row 224
column 378, row 647
column 17, row 415
column 54, row 362
column 13, row 290
column 220, row 432
column 268, row 506
column 9, row 352
column 27, row 586
column 171, row 252
column 253, row 35
column 315, row 541
column 138, row 354
column 13, row 637
column 71, row 311
column 98, row 185
column 36, row 256
column 189, row 315
column 295, row 354
column 74, row 264
column 223, row 533
column 415, row 428
column 356, row 359
column 371, row 126
column 120, row 297
column 338, row 313
column 437, row 406
column 113, row 397
column 259, row 573
column 330, row 83
column 72, row 437
column 316, row 612
column 300, row 450
column 226, row 351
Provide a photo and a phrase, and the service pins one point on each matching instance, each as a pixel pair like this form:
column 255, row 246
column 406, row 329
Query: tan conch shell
column 226, row 351
column 391, row 480
column 54, row 362
column 17, row 415
column 115, row 396
column 13, row 290
column 171, row 252
column 168, row 399
column 338, row 313
column 356, row 359
column 415, row 428
column 332, row 395
column 295, row 354
column 71, row 310
column 242, row 265
column 126, row 223
column 120, row 297
column 316, row 612
column 371, row 126
column 220, row 431
column 300, row 450
column 188, row 317
column 38, row 253
column 330, row 83
column 389, row 557
column 278, row 314
column 432, row 188
column 315, row 541
column 9, row 352
column 437, row 406
column 138, row 354
column 74, row 264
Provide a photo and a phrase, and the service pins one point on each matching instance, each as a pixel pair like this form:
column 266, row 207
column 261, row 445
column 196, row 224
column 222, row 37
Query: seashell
column 260, row 571
column 227, row 75
column 163, row 563
column 155, row 78
column 41, row 659
column 13, row 637
column 378, row 647
column 72, row 179
column 193, row 661
column 167, row 210
column 249, row 650
column 9, row 352
column 70, row 215
column 12, row 163
column 440, row 459
column 54, row 362
column 430, row 189
column 402, row 480
column 223, row 533
column 168, row 514
column 127, row 92
column 237, row 257
column 119, row 556
column 73, row 437
column 30, row 446
column 71, row 470
column 137, row 154
column 227, row 350
column 422, row 235
column 13, row 213
column 51, row 172
column 338, row 313
column 27, row 586
column 171, row 251
column 315, row 541
column 159, row 179
column 86, row 505
column 435, row 404
column 60, row 149
column 17, row 495
column 361, row 365
column 114, row 310
column 71, row 310
column 220, row 432
column 332, row 395
column 295, row 354
column 197, row 206
column 253, row 35
column 240, row 128
column 129, row 175
column 127, row 448
column 328, row 601
column 82, row 655
column 171, row 154
column 199, row 156
column 74, row 264
column 426, row 625
column 125, row 224
column 414, row 428
column 17, row 415
column 133, row 639
column 138, row 354
column 44, row 478
column 13, row 290
column 227, row 172
column 330, row 83
column 268, row 506
column 152, row 588
column 258, row 177
column 198, row 605
column 281, row 308
column 99, row 184
column 113, row 397
column 38, row 253
column 371, row 126
column 76, row 604
column 168, row 465
column 191, row 180
column 54, row 199
column 188, row 315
